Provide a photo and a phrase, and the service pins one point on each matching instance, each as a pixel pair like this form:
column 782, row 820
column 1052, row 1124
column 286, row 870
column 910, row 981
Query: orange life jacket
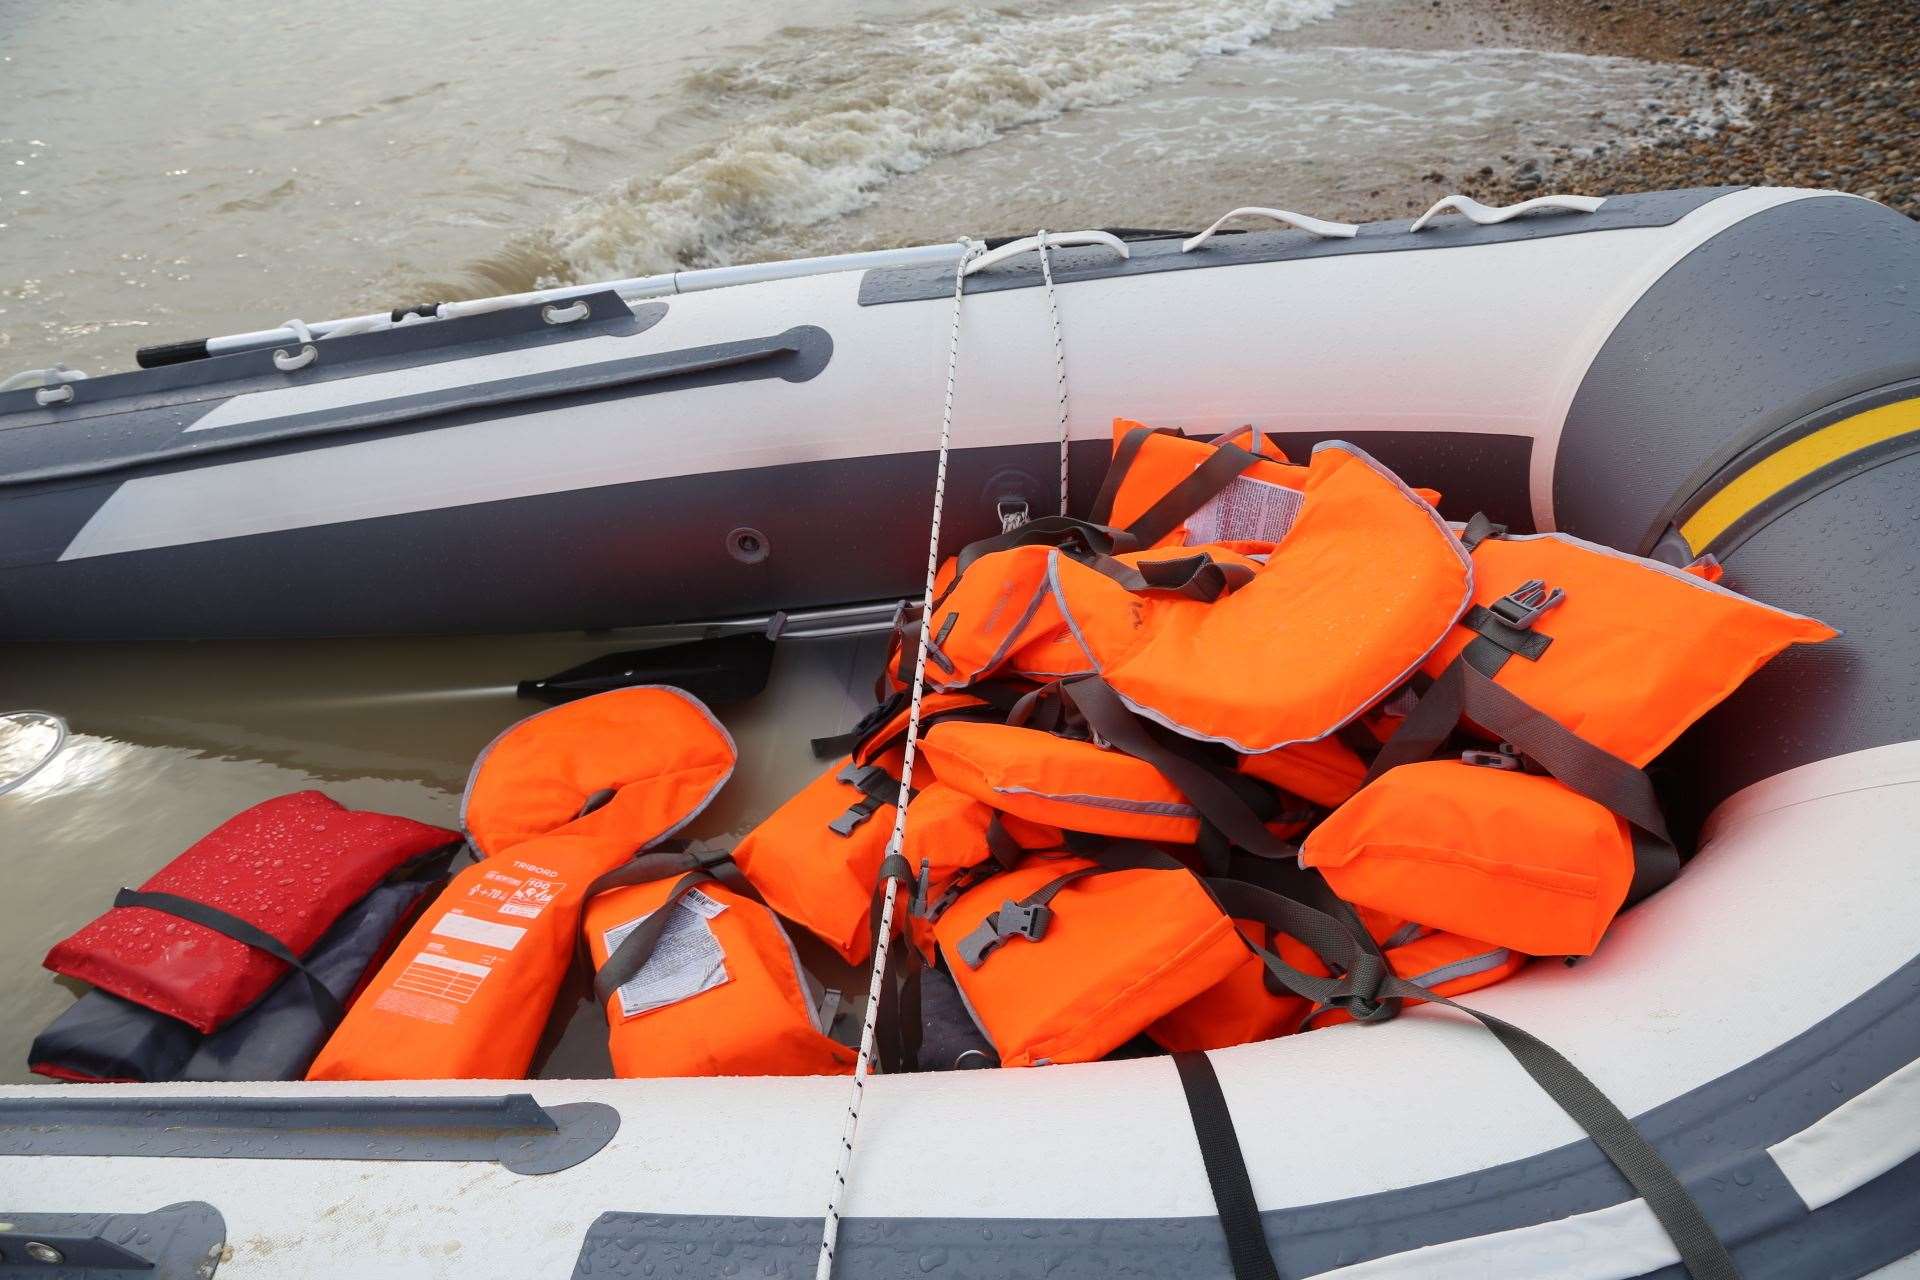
column 704, row 980
column 815, row 859
column 1625, row 652
column 1064, row 959
column 1247, row 1006
column 1230, row 498
column 1589, row 662
column 1368, row 581
column 1517, row 859
column 555, row 801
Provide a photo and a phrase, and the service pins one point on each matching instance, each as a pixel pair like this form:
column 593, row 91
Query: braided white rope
column 882, row 945
column 1059, row 361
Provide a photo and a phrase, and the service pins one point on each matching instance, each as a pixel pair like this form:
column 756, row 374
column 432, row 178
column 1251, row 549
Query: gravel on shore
column 1844, row 110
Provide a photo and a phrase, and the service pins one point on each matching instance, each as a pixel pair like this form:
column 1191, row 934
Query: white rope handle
column 830, row 1233
column 1059, row 360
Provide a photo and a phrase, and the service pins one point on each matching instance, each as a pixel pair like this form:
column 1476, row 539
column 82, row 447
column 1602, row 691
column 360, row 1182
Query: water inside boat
column 169, row 740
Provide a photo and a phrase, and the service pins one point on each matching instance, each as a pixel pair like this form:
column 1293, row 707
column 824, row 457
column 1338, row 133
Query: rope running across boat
column 883, row 940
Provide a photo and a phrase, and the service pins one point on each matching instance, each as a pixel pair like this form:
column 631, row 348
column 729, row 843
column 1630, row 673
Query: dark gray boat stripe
column 1715, row 1136
column 882, row 285
column 187, row 390
column 796, row 355
column 583, row 558
column 183, row 1241
column 511, row 1130
column 1716, row 358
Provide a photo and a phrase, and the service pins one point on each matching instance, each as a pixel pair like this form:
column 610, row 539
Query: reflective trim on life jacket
column 1368, row 581
column 1067, row 783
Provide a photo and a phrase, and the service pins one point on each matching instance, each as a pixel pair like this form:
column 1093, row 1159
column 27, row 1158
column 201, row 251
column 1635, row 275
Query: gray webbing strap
column 1123, row 455
column 1598, row 774
column 1367, row 989
column 228, row 925
column 1197, row 577
column 1219, row 470
column 1110, row 719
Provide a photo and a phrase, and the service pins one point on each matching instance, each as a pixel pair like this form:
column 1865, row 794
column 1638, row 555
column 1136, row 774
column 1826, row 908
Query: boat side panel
column 1789, row 310
column 1846, row 555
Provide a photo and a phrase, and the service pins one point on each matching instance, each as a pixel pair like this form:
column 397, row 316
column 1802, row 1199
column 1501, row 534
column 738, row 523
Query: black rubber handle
column 171, row 353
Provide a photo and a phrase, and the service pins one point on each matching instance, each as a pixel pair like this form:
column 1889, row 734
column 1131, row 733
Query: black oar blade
column 721, row 670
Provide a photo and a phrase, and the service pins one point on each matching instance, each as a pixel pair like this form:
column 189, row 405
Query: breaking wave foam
column 826, row 127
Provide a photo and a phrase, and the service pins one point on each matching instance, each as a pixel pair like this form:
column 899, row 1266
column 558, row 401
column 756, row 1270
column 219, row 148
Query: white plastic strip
column 1856, row 1142
column 1300, row 221
column 1487, row 216
column 1614, row 1243
column 1054, row 240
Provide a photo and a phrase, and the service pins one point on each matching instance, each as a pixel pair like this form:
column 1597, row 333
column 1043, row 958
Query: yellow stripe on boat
column 1788, row 466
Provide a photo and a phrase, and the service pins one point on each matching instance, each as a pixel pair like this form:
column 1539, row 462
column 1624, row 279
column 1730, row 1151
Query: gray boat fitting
column 1729, row 371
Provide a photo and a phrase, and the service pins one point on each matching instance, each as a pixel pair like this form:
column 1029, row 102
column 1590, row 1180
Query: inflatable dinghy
column 1733, row 372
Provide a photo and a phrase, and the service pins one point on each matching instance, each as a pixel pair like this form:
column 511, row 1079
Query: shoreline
column 1844, row 110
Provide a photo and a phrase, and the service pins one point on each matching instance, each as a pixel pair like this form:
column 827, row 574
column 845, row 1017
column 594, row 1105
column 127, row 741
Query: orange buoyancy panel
column 1257, row 505
column 467, row 992
column 1625, row 652
column 1513, row 858
column 541, row 773
column 815, row 858
column 1243, row 1007
column 1073, row 977
column 1368, row 581
column 730, row 1000
column 1324, row 772
column 1065, row 782
column 1001, row 615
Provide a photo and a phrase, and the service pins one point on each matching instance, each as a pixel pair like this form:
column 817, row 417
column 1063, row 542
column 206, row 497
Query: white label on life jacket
column 503, row 937
column 687, row 960
column 1246, row 510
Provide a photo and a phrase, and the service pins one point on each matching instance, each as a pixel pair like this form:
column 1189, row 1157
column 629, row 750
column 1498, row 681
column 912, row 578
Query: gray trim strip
column 1715, row 1136
column 1162, row 808
column 511, row 1130
column 185, row 1241
column 754, row 358
column 1232, row 249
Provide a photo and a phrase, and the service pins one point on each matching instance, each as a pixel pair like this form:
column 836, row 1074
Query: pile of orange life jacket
column 1251, row 744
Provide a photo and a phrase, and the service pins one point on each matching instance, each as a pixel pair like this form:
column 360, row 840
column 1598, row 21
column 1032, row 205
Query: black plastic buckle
column 1526, row 602
column 1012, row 920
column 1503, row 760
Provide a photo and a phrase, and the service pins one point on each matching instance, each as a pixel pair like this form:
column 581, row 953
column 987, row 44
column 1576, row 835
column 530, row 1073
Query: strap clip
column 1526, row 602
column 1503, row 759
column 870, row 780
column 1012, row 920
